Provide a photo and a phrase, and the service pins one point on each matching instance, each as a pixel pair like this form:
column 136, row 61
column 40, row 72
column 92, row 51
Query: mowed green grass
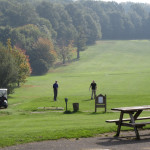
column 121, row 70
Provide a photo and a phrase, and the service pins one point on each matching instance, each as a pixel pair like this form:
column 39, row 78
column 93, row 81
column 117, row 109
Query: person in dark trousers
column 55, row 88
column 93, row 86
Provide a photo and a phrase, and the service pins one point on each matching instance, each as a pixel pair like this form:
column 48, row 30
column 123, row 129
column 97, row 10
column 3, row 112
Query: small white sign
column 100, row 99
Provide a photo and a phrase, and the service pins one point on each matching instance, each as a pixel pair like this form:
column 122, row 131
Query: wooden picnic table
column 134, row 113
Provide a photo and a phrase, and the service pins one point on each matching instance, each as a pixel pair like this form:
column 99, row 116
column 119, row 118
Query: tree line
column 48, row 31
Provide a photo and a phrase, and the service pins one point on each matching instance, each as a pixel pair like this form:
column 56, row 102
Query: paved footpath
column 107, row 141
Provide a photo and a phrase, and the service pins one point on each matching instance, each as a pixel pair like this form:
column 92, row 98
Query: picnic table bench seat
column 137, row 124
column 127, row 119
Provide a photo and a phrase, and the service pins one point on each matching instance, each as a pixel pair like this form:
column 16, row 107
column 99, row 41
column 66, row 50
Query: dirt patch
column 30, row 86
column 51, row 108
column 17, row 104
column 42, row 112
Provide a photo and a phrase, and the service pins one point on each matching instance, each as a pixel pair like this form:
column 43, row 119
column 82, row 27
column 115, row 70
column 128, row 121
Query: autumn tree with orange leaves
column 22, row 62
column 8, row 70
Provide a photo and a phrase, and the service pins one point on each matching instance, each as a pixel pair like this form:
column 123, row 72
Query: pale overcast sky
column 136, row 1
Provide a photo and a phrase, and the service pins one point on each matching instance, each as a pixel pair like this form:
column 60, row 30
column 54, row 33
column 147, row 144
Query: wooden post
column 120, row 122
column 135, row 128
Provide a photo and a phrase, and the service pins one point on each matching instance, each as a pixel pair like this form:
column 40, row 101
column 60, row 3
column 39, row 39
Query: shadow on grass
column 124, row 140
column 98, row 113
column 88, row 100
column 11, row 97
column 5, row 113
column 73, row 112
column 88, row 113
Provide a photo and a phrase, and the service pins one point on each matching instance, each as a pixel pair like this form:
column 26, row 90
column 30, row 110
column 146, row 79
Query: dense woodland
column 49, row 31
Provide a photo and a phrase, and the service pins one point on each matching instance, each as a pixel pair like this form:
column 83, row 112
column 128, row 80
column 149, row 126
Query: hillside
column 120, row 68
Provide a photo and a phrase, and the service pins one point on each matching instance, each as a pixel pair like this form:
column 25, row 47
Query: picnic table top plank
column 132, row 108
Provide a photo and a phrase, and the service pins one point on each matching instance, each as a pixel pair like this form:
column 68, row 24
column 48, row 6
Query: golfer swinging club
column 93, row 86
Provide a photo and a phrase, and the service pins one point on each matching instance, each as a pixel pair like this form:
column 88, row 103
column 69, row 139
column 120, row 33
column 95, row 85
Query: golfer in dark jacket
column 55, row 88
column 93, row 86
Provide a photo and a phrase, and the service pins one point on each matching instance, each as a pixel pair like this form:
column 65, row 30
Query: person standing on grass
column 55, row 88
column 93, row 86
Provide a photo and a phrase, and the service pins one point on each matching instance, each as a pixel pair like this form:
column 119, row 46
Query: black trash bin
column 75, row 107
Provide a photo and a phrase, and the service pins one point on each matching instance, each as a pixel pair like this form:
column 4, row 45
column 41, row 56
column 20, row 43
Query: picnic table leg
column 137, row 114
column 135, row 128
column 119, row 124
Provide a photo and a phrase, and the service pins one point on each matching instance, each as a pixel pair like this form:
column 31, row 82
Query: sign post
column 100, row 102
column 66, row 100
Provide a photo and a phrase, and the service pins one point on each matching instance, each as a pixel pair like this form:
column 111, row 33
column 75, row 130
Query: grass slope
column 121, row 70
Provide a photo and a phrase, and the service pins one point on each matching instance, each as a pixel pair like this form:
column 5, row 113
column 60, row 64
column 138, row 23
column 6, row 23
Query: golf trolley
column 3, row 98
